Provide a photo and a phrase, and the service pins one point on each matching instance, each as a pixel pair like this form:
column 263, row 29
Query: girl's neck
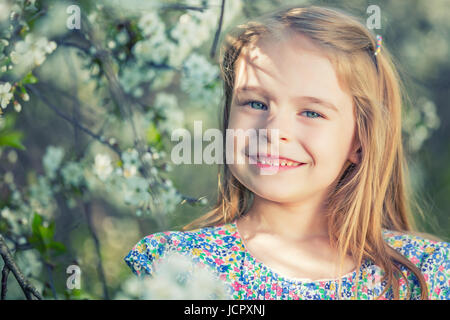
column 297, row 222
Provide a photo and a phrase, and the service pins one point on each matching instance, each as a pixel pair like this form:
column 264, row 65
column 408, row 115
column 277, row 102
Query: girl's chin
column 276, row 194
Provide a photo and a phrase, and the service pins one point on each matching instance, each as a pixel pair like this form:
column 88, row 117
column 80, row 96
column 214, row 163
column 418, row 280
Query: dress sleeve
column 437, row 266
column 141, row 258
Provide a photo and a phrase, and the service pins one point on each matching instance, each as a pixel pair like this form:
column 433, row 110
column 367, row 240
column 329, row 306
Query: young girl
column 335, row 221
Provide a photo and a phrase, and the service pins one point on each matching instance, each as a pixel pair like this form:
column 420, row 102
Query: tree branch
column 5, row 273
column 49, row 267
column 88, row 213
column 26, row 286
column 71, row 120
column 219, row 28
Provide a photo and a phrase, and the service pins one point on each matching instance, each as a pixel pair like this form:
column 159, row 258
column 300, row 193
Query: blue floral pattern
column 222, row 248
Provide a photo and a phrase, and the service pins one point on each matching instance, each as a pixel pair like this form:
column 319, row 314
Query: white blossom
column 52, row 160
column 130, row 171
column 132, row 76
column 151, row 24
column 166, row 105
column 12, row 156
column 419, row 122
column 102, row 166
column 130, row 157
column 122, row 37
column 198, row 67
column 179, row 54
column 5, row 213
column 169, row 198
column 417, row 137
column 29, row 262
column 17, row 106
column 189, row 30
column 155, row 49
column 175, row 276
column 178, row 276
column 9, row 177
column 5, row 94
column 196, row 79
column 111, row 44
column 136, row 191
column 131, row 289
column 431, row 119
column 32, row 51
column 163, row 78
column 41, row 193
column 73, row 174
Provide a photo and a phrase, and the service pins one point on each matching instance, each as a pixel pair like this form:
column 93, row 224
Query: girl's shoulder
column 429, row 255
column 154, row 246
column 417, row 246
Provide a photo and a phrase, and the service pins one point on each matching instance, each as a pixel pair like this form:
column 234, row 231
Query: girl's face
column 293, row 88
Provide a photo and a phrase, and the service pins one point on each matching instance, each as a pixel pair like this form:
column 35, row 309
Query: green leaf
column 51, row 230
column 37, row 243
column 29, row 79
column 45, row 234
column 12, row 139
column 22, row 89
column 37, row 221
column 57, row 246
column 153, row 135
column 36, row 238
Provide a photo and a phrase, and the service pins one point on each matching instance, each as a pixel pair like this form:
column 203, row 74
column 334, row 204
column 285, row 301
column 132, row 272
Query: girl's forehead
column 295, row 64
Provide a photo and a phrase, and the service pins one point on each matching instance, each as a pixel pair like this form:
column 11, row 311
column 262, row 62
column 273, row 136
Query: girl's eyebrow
column 300, row 99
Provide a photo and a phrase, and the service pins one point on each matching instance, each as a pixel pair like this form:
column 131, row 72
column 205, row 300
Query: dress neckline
column 280, row 276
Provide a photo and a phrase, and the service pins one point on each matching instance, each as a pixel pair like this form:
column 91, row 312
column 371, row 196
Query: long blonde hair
column 369, row 196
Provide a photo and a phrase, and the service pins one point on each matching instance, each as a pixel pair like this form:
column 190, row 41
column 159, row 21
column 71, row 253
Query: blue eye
column 257, row 102
column 262, row 105
column 318, row 114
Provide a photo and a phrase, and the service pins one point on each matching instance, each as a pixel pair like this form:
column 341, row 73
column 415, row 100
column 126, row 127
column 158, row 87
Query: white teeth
column 283, row 163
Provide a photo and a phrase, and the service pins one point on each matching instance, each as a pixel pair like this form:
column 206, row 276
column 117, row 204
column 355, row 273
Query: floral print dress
column 221, row 248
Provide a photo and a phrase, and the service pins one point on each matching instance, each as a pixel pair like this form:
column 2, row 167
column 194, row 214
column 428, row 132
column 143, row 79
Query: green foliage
column 78, row 294
column 29, row 78
column 42, row 238
column 9, row 137
column 154, row 137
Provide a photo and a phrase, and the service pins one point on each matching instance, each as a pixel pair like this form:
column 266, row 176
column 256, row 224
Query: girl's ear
column 355, row 156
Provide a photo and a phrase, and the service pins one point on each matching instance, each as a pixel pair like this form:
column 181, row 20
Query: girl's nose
column 282, row 128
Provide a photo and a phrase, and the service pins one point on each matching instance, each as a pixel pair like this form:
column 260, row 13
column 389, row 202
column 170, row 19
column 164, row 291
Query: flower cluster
column 419, row 122
column 102, row 166
column 5, row 94
column 31, row 52
column 19, row 55
column 200, row 79
column 52, row 160
column 177, row 276
column 166, row 107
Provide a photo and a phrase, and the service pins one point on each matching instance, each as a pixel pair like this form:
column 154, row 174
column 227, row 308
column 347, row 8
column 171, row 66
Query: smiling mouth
column 277, row 163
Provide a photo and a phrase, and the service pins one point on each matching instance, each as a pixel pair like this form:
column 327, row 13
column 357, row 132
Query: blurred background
column 91, row 91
